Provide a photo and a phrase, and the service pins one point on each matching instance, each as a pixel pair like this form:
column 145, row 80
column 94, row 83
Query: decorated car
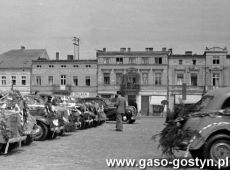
column 48, row 122
column 202, row 129
column 16, row 123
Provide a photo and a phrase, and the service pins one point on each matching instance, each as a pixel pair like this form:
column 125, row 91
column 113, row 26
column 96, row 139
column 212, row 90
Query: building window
column 145, row 60
column 23, row 80
column 38, row 80
column 157, row 78
column 87, row 66
column 106, row 78
column 180, row 62
column 119, row 60
column 145, row 78
column 3, row 80
column 75, row 80
column 50, row 66
column 13, row 79
column 180, row 79
column 51, row 80
column 132, row 60
column 63, row 79
column 87, row 80
column 193, row 79
column 118, row 78
column 106, row 60
column 194, row 62
column 63, row 66
column 75, row 65
column 216, row 79
column 39, row 66
column 158, row 60
column 216, row 60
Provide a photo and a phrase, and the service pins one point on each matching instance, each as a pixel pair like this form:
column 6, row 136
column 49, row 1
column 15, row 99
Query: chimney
column 149, row 49
column 57, row 55
column 122, row 49
column 188, row 52
column 69, row 57
column 129, row 49
column 104, row 49
column 164, row 49
column 23, row 47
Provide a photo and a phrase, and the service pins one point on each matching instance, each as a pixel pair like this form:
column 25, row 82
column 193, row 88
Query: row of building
column 146, row 77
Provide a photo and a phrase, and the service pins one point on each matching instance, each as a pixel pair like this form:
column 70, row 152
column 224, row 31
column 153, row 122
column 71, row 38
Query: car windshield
column 203, row 103
column 34, row 100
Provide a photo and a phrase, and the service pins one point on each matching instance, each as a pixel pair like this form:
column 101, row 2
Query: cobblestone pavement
column 88, row 149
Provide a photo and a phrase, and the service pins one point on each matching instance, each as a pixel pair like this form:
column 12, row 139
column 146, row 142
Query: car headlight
column 55, row 122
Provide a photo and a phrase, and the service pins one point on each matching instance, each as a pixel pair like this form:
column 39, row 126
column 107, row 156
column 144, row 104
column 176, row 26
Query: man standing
column 121, row 105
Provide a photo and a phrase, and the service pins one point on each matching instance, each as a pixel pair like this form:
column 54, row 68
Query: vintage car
column 47, row 121
column 63, row 110
column 16, row 124
column 110, row 109
column 210, row 118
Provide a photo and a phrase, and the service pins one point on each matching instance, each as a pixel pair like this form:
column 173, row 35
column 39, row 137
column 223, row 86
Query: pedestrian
column 121, row 105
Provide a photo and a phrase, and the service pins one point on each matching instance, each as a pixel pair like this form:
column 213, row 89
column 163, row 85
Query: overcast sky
column 51, row 24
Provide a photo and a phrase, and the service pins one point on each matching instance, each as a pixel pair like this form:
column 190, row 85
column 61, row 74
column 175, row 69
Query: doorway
column 132, row 100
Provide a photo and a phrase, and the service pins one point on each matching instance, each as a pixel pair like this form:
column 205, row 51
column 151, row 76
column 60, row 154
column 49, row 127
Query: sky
column 183, row 25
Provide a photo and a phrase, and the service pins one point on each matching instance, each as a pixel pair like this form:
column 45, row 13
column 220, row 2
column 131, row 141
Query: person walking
column 121, row 105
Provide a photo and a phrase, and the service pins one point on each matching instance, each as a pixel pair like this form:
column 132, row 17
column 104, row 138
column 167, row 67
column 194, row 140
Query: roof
column 186, row 56
column 21, row 58
column 65, row 61
column 131, row 53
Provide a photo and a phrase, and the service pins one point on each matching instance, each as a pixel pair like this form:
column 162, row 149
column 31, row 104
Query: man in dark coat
column 121, row 105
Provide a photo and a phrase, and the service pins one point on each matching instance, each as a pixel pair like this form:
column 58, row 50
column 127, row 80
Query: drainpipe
column 168, row 82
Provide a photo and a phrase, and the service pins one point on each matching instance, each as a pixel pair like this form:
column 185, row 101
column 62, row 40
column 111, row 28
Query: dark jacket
column 121, row 104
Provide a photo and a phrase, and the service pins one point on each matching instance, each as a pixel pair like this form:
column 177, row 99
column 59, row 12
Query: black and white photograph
column 114, row 84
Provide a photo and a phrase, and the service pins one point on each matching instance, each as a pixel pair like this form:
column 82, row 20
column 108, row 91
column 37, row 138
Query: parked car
column 210, row 117
column 16, row 124
column 47, row 122
column 63, row 111
column 110, row 109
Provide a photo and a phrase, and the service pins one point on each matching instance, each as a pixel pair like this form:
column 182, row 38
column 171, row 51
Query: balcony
column 131, row 88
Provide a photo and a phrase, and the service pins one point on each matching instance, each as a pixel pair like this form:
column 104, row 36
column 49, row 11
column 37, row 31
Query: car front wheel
column 218, row 147
column 42, row 132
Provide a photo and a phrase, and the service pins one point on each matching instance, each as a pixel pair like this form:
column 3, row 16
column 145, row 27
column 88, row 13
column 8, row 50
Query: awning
column 156, row 100
column 190, row 99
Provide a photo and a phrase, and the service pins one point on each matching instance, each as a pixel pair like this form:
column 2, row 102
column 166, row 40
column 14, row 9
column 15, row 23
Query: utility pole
column 76, row 43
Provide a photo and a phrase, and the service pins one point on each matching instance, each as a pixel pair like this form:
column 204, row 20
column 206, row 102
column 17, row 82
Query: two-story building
column 217, row 68
column 200, row 73
column 141, row 75
column 186, row 68
column 16, row 68
column 66, row 77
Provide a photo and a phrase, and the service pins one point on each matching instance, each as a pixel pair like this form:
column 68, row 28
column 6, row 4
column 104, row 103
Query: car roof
column 220, row 95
